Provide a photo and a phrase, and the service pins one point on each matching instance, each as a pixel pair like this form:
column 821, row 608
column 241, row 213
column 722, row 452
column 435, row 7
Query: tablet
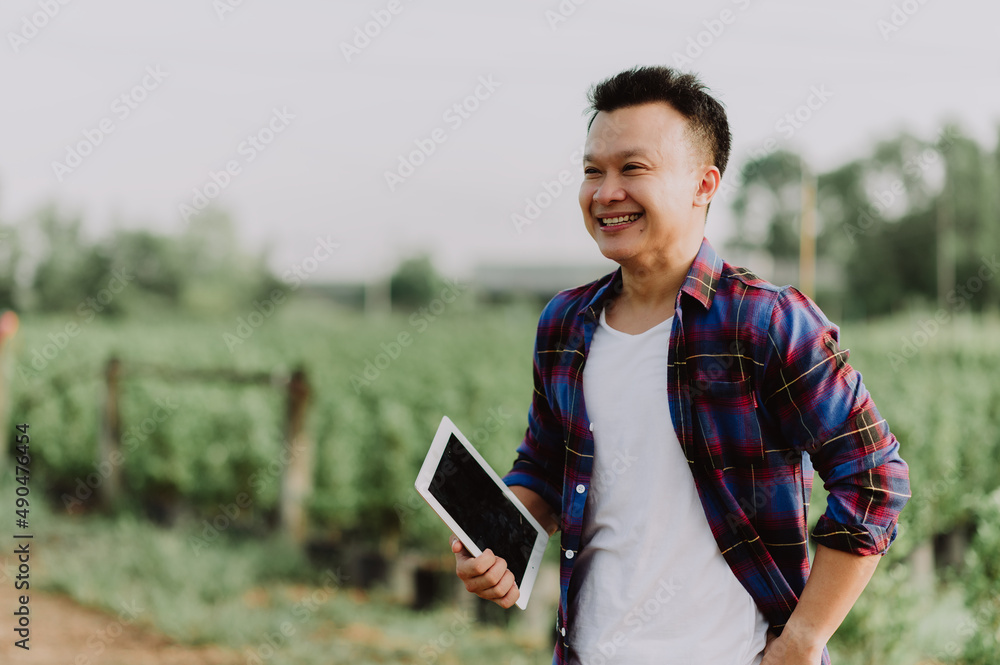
column 471, row 499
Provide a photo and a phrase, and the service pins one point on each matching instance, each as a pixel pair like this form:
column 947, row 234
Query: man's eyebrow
column 622, row 154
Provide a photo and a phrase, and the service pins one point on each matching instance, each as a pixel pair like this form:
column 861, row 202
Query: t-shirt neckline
column 666, row 323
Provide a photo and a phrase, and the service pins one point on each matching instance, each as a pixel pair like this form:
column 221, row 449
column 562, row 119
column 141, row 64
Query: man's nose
column 608, row 191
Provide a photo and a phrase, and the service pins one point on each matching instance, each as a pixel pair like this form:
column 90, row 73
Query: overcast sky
column 184, row 85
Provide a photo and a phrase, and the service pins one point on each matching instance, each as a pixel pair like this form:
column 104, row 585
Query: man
column 679, row 407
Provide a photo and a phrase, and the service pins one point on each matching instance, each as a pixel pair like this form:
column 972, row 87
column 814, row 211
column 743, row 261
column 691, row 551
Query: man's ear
column 711, row 179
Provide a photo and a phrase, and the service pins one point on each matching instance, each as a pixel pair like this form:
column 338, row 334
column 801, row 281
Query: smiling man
column 680, row 406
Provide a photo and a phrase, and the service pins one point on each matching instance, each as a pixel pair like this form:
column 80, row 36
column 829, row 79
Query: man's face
column 644, row 187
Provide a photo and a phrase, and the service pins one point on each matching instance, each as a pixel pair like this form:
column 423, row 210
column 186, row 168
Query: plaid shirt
column 759, row 393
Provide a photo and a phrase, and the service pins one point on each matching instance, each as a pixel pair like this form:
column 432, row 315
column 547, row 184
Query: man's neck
column 649, row 288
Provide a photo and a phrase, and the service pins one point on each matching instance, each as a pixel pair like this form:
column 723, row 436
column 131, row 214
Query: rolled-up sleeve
column 822, row 408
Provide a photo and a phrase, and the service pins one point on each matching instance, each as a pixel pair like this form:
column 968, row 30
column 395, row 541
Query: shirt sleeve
column 823, row 409
column 541, row 456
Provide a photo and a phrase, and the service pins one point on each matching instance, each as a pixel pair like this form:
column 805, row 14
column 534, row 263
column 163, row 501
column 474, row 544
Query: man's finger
column 510, row 598
column 482, row 563
column 470, row 570
column 501, row 588
column 494, row 576
column 477, row 580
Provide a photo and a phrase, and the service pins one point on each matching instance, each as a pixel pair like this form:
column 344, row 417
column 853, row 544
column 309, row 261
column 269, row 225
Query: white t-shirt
column 650, row 584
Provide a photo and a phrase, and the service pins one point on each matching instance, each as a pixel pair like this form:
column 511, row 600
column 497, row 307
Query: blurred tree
column 971, row 208
column 10, row 261
column 203, row 270
column 70, row 270
column 768, row 205
column 907, row 223
column 156, row 261
column 219, row 276
column 414, row 282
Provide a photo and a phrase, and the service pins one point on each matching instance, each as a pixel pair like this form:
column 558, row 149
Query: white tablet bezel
column 444, row 433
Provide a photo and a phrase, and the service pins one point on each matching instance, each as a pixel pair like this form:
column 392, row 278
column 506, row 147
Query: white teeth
column 623, row 219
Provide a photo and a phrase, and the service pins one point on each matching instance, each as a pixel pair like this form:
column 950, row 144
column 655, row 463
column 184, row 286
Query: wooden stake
column 297, row 482
column 807, row 234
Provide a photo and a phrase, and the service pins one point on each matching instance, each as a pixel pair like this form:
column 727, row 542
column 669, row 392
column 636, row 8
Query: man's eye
column 590, row 170
column 628, row 167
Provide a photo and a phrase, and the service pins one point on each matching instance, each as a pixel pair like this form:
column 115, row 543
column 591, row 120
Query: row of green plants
column 377, row 401
column 199, row 444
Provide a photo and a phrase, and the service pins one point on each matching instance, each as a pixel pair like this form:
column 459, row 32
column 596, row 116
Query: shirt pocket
column 727, row 432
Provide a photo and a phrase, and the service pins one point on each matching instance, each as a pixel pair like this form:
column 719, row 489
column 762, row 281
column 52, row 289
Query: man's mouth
column 620, row 220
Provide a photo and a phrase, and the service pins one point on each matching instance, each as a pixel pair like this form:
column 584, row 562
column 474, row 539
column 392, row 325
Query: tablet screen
column 471, row 497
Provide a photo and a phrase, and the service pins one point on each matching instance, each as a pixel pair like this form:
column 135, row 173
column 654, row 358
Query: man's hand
column 835, row 582
column 785, row 650
column 485, row 575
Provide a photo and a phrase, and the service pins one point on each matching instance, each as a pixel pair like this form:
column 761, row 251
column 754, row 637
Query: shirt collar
column 703, row 277
column 700, row 282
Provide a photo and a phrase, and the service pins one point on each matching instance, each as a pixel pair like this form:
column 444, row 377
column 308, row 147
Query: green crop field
column 380, row 386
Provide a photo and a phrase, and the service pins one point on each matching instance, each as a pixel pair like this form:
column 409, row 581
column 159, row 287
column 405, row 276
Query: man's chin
column 617, row 254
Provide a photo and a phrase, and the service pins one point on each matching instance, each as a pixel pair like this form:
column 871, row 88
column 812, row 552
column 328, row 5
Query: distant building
column 502, row 282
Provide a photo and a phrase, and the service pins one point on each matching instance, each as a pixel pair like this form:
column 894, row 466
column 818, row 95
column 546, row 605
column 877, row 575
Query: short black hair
column 706, row 116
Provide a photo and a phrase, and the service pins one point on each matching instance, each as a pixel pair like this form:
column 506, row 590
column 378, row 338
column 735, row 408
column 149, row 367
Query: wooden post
column 296, row 484
column 110, row 436
column 945, row 246
column 8, row 328
column 807, row 234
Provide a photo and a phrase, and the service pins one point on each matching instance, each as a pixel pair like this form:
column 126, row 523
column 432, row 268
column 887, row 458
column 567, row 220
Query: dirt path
column 65, row 633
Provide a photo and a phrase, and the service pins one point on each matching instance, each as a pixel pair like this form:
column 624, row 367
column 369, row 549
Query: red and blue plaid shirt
column 760, row 393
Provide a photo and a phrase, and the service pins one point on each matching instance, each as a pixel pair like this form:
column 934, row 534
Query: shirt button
column 580, row 489
column 563, row 631
column 569, row 554
column 591, row 427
